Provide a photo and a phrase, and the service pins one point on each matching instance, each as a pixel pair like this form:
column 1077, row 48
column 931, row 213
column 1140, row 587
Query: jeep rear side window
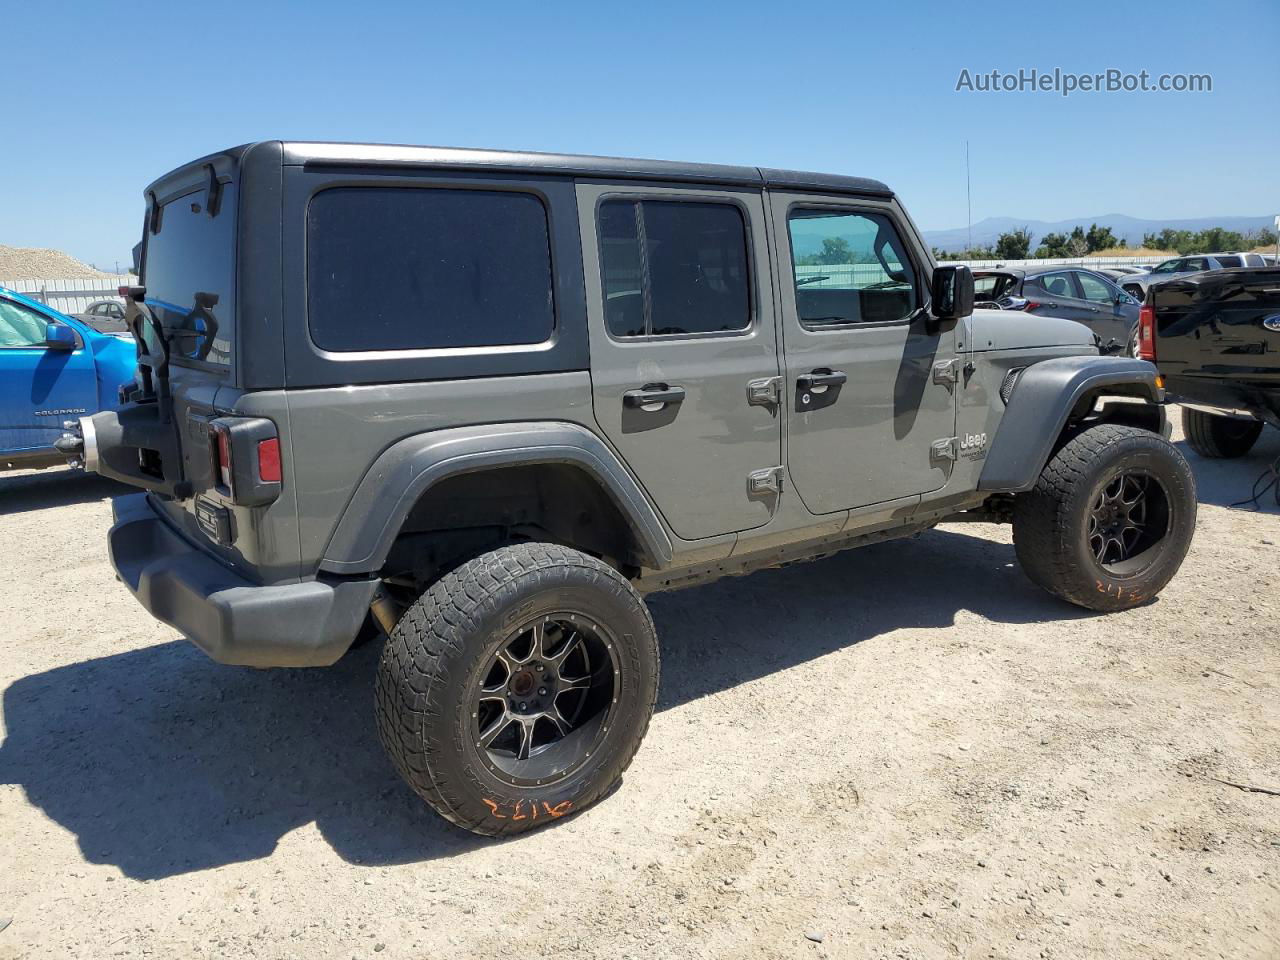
column 402, row 268
column 850, row 268
column 673, row 267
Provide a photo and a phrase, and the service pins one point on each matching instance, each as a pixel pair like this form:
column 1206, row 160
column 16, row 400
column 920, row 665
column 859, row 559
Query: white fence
column 71, row 295
column 1095, row 262
column 844, row 275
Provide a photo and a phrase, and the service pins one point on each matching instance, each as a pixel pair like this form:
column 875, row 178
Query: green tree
column 974, row 253
column 1258, row 238
column 1052, row 245
column 1014, row 245
column 834, row 250
column 1099, row 238
column 1077, row 245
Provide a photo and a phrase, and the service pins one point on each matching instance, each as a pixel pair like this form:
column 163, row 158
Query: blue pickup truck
column 52, row 368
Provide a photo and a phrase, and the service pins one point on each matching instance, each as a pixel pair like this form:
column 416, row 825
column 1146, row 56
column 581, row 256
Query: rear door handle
column 821, row 379
column 653, row 397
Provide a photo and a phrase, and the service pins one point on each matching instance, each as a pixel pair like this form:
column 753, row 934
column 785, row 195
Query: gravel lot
column 905, row 750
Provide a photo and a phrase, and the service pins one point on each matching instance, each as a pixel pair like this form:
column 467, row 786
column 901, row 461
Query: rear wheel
column 1219, row 437
column 1131, row 349
column 1110, row 519
column 517, row 688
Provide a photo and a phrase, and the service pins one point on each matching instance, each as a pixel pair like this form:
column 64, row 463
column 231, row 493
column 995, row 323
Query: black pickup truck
column 1216, row 339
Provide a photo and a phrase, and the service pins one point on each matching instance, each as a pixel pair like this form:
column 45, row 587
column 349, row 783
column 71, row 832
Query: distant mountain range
column 986, row 232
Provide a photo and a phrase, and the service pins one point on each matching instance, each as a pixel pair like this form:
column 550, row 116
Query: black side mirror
column 952, row 292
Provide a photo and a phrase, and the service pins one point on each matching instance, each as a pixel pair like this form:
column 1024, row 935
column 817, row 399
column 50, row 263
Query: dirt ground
column 902, row 751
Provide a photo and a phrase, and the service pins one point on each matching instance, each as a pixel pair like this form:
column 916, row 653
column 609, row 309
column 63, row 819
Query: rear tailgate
column 1225, row 323
column 1218, row 331
column 195, row 278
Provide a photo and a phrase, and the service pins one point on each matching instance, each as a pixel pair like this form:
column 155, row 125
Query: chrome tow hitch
column 74, row 444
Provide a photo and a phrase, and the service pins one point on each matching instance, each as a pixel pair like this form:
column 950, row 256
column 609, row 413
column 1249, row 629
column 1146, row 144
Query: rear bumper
column 1228, row 396
column 232, row 619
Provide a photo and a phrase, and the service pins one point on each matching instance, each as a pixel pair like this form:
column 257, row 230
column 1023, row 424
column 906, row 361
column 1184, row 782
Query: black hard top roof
column 347, row 154
column 391, row 156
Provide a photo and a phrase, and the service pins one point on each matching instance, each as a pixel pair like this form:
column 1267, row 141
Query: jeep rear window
column 674, row 267
column 193, row 253
column 406, row 268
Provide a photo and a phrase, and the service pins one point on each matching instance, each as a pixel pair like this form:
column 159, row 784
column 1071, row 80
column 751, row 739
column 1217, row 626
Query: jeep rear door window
column 189, row 273
column 673, row 267
column 850, row 268
column 403, row 268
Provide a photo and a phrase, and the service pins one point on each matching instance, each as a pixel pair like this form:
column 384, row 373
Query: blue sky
column 98, row 99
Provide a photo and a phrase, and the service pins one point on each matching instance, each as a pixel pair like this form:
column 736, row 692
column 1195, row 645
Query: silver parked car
column 1181, row 266
column 105, row 316
column 1116, row 274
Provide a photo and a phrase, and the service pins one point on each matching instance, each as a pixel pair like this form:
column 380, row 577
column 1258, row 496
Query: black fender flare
column 408, row 468
column 1043, row 398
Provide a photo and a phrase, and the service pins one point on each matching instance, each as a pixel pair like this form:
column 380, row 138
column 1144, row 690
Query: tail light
column 1018, row 303
column 1147, row 333
column 244, row 456
column 222, row 458
column 269, row 460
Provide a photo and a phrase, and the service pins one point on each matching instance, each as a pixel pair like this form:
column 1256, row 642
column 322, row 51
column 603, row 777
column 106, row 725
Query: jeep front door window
column 849, row 268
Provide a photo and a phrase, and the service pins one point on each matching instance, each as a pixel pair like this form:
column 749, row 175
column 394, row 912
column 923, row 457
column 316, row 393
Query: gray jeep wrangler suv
column 484, row 401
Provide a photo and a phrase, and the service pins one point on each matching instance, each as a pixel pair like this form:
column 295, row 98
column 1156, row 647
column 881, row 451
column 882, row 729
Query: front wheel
column 516, row 690
column 1109, row 521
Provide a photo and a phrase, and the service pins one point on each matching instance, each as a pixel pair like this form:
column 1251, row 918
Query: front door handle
column 821, row 379
column 653, row 397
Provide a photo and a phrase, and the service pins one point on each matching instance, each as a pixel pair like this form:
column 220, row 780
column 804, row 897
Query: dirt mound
column 33, row 263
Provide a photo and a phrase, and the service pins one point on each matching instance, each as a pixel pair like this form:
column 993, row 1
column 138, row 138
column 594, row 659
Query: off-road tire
column 1051, row 521
column 1218, row 437
column 433, row 657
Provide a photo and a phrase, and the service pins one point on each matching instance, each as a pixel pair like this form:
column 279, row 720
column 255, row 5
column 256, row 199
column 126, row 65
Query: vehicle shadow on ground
column 1225, row 483
column 162, row 762
column 42, row 489
column 739, row 629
